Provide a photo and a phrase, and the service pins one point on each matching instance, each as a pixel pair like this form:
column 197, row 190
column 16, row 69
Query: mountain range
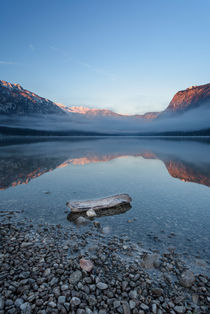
column 188, row 110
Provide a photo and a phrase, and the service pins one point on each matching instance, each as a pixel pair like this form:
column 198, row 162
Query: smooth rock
column 154, row 308
column 1, row 303
column 126, row 307
column 179, row 309
column 92, row 300
column 102, row 285
column 18, row 302
column 64, row 287
column 132, row 304
column 116, row 304
column 52, row 304
column 144, row 307
column 133, row 294
column 86, row 265
column 26, row 244
column 149, row 261
column 91, row 213
column 75, row 301
column 47, row 272
column 75, row 277
column 82, row 221
column 61, row 299
column 187, row 278
column 25, row 308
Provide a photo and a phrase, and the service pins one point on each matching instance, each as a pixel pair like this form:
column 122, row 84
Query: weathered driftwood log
column 99, row 204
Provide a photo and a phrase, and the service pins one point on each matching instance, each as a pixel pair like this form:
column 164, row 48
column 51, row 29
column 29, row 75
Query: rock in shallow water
column 91, row 213
column 187, row 278
column 102, row 203
column 82, row 221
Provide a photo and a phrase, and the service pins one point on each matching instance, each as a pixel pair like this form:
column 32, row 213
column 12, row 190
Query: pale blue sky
column 127, row 55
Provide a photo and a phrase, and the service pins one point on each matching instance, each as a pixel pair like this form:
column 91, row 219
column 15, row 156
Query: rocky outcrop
column 14, row 99
column 190, row 98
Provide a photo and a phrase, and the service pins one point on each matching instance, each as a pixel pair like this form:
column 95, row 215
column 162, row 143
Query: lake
column 168, row 180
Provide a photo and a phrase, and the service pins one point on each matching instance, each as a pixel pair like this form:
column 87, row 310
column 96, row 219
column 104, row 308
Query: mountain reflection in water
column 185, row 160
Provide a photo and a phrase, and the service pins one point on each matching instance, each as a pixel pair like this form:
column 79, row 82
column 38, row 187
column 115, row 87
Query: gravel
column 41, row 272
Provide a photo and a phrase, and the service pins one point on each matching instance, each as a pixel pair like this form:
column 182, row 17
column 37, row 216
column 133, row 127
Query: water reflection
column 188, row 161
column 100, row 213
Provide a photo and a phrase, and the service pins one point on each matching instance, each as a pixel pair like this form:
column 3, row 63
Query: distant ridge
column 94, row 112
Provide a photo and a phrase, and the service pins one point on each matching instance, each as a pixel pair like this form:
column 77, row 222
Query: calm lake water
column 168, row 180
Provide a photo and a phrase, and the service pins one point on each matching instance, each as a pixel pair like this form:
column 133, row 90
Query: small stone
column 26, row 244
column 24, row 275
column 133, row 294
column 91, row 213
column 154, row 308
column 18, row 302
column 75, row 277
column 53, row 281
column 52, row 304
column 67, row 306
column 195, row 298
column 92, row 300
column 126, row 307
column 25, row 308
column 1, row 303
column 82, row 221
column 157, row 291
column 61, row 299
column 124, row 284
column 47, row 272
column 132, row 304
column 116, row 304
column 64, row 287
column 102, row 285
column 149, row 261
column 75, row 301
column 144, row 307
column 179, row 309
column 81, row 311
column 187, row 278
column 86, row 265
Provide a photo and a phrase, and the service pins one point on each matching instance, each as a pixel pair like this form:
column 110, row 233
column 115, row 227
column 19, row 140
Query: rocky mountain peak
column 190, row 98
column 14, row 99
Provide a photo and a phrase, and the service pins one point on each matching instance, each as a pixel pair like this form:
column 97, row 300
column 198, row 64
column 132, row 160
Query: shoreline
column 40, row 272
